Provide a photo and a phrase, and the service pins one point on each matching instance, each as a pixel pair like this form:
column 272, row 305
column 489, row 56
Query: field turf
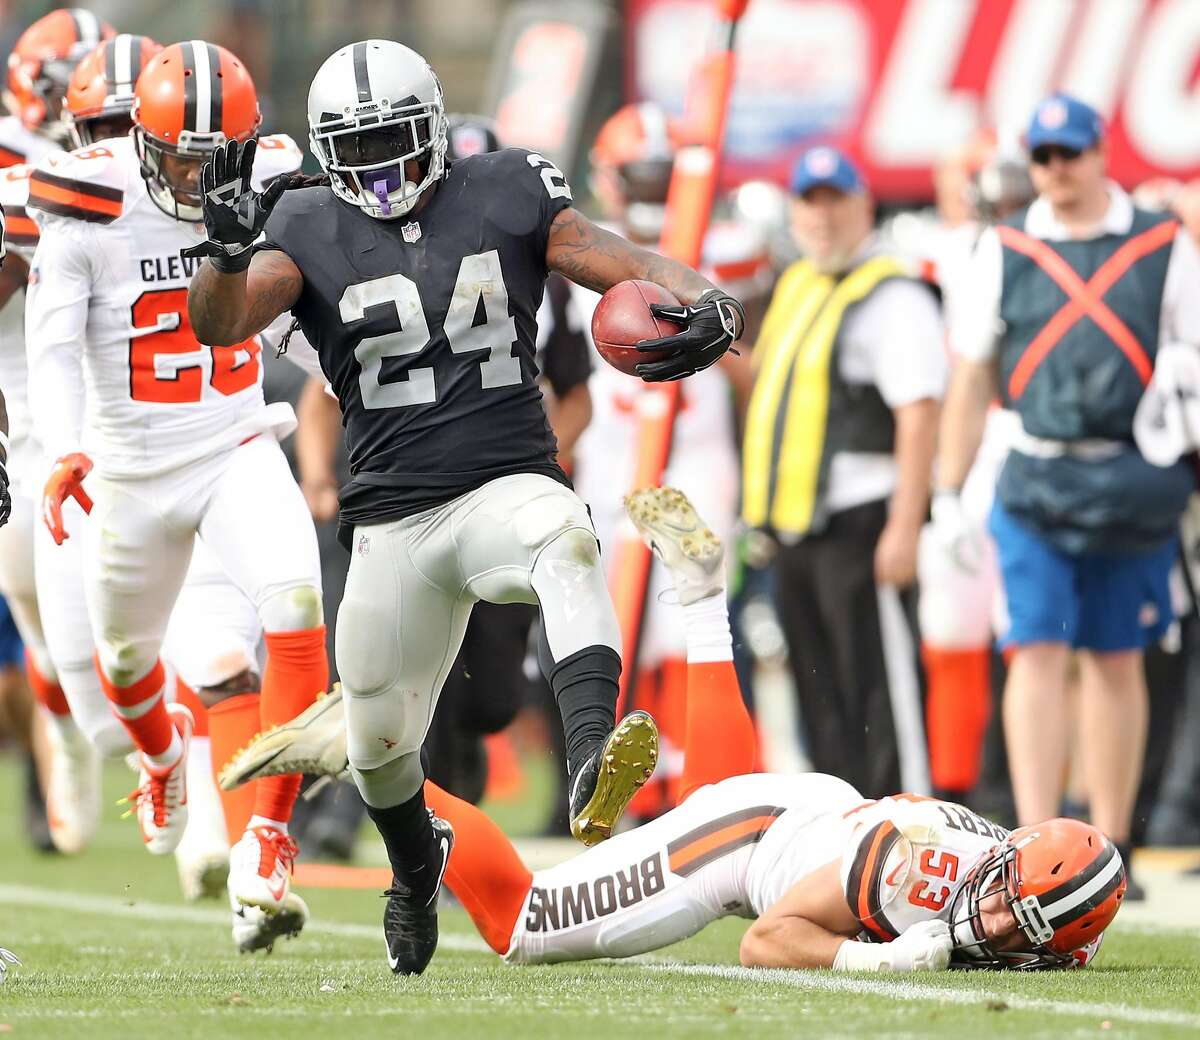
column 109, row 950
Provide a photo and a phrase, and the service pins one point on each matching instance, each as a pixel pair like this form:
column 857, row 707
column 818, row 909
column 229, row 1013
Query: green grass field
column 109, row 950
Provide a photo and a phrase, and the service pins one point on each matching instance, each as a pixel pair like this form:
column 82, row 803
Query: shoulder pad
column 87, row 184
column 18, row 145
column 20, row 232
column 875, row 866
column 277, row 154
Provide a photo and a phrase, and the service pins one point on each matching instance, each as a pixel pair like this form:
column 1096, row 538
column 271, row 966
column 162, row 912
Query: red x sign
column 1084, row 298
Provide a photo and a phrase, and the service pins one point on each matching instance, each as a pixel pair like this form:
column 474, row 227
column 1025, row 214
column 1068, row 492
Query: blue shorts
column 12, row 650
column 1096, row 601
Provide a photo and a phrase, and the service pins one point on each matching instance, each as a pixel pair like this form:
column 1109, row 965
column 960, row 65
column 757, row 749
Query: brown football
column 622, row 319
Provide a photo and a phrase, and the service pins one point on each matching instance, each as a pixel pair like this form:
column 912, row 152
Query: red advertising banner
column 899, row 83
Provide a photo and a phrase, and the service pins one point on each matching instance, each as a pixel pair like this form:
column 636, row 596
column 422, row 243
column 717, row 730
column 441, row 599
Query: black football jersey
column 426, row 329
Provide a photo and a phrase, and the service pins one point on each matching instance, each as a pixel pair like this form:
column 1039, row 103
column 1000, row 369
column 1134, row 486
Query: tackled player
column 418, row 281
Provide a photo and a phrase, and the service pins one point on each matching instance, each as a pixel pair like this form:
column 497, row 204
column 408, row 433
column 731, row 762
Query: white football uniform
column 735, row 848
column 180, row 437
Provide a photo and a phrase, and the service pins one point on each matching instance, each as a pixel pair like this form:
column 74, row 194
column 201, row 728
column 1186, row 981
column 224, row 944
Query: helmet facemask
column 972, row 947
column 366, row 153
column 177, row 196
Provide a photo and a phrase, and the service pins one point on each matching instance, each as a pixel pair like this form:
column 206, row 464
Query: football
column 622, row 319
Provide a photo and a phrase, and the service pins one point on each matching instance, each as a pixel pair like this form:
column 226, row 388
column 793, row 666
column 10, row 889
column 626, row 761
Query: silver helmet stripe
column 88, row 27
column 123, row 54
column 1084, row 892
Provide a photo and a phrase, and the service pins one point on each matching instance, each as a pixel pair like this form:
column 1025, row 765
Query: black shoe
column 606, row 782
column 37, row 826
column 1134, row 892
column 410, row 927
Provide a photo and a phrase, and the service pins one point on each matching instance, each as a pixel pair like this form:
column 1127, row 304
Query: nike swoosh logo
column 445, row 846
column 890, row 880
column 392, row 961
column 277, row 891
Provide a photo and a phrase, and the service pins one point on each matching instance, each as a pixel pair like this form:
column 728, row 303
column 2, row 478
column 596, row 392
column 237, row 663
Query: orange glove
column 66, row 481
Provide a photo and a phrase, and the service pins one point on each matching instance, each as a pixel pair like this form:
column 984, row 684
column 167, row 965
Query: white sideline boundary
column 29, row 896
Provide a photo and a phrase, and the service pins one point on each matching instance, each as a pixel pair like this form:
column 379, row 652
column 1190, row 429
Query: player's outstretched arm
column 228, row 308
column 237, row 293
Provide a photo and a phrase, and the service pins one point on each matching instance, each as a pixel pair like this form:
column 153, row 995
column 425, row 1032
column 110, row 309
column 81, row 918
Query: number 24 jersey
column 425, row 326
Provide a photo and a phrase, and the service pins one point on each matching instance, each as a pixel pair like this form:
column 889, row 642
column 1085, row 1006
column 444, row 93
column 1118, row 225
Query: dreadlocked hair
column 299, row 180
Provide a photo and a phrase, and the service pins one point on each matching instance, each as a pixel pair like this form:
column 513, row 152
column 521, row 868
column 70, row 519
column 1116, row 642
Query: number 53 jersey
column 426, row 329
column 115, row 369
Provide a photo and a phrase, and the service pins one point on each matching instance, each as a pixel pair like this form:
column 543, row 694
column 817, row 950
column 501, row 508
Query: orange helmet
column 41, row 64
column 1063, row 881
column 192, row 97
column 632, row 161
column 100, row 94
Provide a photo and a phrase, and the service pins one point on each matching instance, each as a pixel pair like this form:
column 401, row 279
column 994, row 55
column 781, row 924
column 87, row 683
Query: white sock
column 170, row 756
column 706, row 629
column 263, row 821
column 61, row 729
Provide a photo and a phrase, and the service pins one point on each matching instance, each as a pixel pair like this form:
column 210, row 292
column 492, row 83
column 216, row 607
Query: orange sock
column 485, row 873
column 142, row 709
column 297, row 670
column 232, row 724
column 720, row 736
column 957, row 712
column 185, row 695
column 47, row 693
column 651, row 801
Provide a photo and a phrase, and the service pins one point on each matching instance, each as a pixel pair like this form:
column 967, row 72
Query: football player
column 417, row 282
column 176, row 437
column 905, row 883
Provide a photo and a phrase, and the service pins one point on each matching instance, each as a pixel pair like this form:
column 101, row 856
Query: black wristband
column 235, row 264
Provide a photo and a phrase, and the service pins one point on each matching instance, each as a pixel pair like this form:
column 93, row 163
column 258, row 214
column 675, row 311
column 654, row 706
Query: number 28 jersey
column 107, row 301
column 426, row 329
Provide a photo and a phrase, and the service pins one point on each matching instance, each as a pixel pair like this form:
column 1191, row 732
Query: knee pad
column 292, row 610
column 577, row 611
column 391, row 783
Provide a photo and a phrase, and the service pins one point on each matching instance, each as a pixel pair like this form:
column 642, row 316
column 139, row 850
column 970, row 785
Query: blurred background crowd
column 864, row 648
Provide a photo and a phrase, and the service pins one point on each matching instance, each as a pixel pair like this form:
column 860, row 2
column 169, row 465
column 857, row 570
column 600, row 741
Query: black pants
column 830, row 611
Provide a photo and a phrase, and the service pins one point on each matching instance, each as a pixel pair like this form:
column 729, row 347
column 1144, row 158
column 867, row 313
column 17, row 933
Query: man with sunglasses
column 1066, row 307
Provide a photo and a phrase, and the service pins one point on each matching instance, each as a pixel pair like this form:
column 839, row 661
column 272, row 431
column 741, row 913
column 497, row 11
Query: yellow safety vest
column 787, row 422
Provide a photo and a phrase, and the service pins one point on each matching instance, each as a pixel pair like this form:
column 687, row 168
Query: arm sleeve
column 566, row 361
column 56, row 315
column 974, row 317
column 1180, row 320
column 907, row 342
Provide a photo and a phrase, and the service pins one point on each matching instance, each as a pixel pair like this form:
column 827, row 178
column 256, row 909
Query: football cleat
column 606, row 782
column 260, row 868
column 670, row 526
column 73, row 790
column 256, row 929
column 202, row 855
column 410, row 924
column 160, row 800
column 314, row 742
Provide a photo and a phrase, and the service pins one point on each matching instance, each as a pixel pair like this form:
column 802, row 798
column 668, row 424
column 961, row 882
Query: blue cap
column 829, row 168
column 1064, row 121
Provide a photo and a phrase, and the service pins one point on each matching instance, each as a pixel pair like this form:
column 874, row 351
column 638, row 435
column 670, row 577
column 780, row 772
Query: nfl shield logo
column 411, row 232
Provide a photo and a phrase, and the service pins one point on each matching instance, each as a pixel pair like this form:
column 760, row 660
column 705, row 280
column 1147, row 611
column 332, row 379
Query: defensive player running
column 417, row 281
column 901, row 884
column 179, row 436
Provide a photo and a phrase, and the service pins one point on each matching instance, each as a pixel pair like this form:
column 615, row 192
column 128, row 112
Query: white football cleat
column 670, row 526
column 255, row 929
column 260, row 868
column 202, row 855
column 314, row 742
column 73, row 790
column 161, row 796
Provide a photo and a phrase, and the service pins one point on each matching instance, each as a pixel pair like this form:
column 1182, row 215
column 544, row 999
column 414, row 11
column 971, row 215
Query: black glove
column 234, row 213
column 5, row 497
column 710, row 326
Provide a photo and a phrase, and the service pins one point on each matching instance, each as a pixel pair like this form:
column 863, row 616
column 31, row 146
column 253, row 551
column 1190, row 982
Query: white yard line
column 818, row 982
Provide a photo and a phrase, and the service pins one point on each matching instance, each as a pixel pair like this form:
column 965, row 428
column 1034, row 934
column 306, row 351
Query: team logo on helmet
column 1052, row 114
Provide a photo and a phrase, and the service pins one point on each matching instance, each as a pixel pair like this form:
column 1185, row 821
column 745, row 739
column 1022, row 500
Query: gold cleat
column 313, row 742
column 621, row 767
column 671, row 527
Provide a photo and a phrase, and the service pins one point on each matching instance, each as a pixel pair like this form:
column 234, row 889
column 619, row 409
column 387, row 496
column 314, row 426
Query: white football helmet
column 372, row 107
